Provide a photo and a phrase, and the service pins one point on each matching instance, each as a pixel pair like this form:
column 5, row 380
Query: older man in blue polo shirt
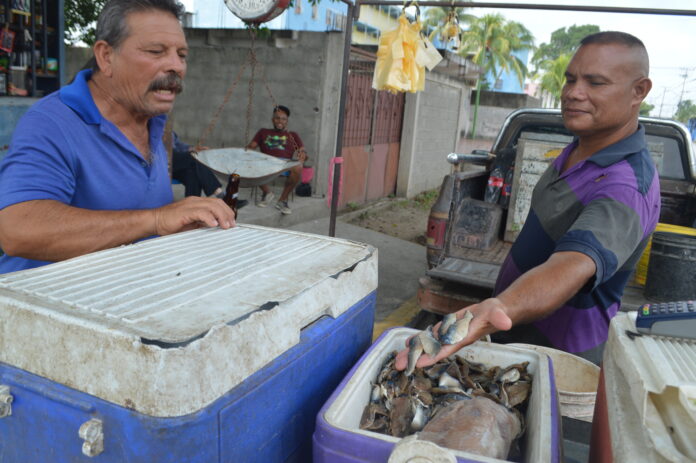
column 87, row 169
column 591, row 213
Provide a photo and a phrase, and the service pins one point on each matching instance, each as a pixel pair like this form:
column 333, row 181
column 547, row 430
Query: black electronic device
column 675, row 319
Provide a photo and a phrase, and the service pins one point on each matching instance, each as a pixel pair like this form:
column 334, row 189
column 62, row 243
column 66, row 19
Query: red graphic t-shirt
column 278, row 143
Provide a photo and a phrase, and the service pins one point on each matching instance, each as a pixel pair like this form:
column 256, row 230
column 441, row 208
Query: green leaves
column 492, row 39
column 645, row 108
column 81, row 20
column 553, row 79
column 686, row 109
column 490, row 43
column 563, row 42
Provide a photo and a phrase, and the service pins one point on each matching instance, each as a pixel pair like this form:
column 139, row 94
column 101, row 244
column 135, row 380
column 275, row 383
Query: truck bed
column 456, row 283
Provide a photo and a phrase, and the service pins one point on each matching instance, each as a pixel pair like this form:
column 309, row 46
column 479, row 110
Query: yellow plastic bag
column 401, row 57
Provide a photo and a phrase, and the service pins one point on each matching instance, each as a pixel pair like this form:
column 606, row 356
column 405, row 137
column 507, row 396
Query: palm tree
column 444, row 23
column 553, row 79
column 491, row 41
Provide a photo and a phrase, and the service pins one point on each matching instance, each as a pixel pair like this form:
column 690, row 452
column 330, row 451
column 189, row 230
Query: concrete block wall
column 433, row 121
column 302, row 70
column 75, row 60
column 490, row 120
column 494, row 107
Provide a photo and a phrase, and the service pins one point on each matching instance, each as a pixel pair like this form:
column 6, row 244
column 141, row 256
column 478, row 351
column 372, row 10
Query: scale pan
column 253, row 167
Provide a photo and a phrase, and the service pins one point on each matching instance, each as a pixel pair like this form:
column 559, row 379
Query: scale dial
column 257, row 11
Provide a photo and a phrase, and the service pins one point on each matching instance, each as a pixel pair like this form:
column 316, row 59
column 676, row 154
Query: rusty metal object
column 440, row 301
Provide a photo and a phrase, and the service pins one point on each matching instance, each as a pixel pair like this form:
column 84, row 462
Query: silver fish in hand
column 458, row 330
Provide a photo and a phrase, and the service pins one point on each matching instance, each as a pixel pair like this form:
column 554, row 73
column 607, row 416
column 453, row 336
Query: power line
column 685, row 76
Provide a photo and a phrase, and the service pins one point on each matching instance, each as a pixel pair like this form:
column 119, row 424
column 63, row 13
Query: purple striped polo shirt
column 605, row 207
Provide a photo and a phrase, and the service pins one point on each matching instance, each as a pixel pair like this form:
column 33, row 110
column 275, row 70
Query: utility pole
column 685, row 75
column 662, row 103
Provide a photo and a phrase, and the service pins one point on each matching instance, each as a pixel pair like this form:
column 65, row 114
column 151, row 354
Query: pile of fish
column 455, row 403
column 402, row 404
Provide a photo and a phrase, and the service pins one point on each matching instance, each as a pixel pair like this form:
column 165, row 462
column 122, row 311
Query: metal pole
column 596, row 9
column 341, row 117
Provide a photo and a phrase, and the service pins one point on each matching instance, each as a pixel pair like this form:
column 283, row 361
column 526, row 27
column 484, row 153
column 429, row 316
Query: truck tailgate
column 477, row 267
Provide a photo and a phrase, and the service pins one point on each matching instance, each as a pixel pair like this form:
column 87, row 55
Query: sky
column 670, row 40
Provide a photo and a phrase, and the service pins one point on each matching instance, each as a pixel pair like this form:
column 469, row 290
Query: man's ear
column 641, row 88
column 103, row 53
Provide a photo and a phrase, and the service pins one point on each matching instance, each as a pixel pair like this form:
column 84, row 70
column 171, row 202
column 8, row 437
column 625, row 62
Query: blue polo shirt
column 605, row 207
column 63, row 149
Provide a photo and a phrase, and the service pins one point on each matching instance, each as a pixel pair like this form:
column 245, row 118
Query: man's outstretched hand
column 489, row 316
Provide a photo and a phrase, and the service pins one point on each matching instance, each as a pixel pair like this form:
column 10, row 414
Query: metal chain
column 252, row 62
column 216, row 116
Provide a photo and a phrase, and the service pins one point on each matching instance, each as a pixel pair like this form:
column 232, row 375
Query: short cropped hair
column 620, row 38
column 282, row 108
column 112, row 26
column 617, row 37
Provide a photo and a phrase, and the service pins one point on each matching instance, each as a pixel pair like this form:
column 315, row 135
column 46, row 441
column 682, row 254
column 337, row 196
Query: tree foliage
column 445, row 24
column 686, row 109
column 645, row 108
column 490, row 42
column 554, row 78
column 563, row 42
column 80, row 20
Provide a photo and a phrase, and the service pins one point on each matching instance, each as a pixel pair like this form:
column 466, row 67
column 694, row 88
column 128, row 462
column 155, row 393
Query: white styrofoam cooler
column 649, row 392
column 166, row 326
column 338, row 437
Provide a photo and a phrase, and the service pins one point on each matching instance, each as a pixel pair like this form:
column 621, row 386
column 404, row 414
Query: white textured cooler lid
column 174, row 289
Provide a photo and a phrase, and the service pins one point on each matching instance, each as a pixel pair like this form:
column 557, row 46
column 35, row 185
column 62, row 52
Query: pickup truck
column 468, row 238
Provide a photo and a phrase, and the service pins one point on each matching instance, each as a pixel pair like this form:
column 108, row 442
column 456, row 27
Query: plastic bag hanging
column 401, row 58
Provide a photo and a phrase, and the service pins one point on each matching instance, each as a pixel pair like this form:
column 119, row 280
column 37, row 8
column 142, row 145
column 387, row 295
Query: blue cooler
column 210, row 345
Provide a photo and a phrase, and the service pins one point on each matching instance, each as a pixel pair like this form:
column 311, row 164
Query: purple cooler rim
column 380, row 447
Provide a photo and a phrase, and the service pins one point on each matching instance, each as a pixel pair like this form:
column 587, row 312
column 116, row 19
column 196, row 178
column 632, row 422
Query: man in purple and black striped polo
column 592, row 211
column 591, row 214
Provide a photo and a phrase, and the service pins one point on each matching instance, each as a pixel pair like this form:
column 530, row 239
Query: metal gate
column 372, row 134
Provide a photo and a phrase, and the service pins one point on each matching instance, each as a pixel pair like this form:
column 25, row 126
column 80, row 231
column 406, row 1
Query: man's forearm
column 545, row 288
column 50, row 230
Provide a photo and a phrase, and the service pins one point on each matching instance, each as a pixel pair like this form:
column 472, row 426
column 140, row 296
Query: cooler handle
column 92, row 432
column 5, row 401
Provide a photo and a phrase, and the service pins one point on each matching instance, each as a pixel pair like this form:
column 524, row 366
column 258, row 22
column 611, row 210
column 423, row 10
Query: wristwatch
column 257, row 11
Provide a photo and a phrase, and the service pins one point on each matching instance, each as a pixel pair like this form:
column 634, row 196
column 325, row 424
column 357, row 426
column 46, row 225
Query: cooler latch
column 5, row 401
column 92, row 432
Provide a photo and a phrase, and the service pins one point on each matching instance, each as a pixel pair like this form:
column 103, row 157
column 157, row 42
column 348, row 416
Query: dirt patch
column 405, row 219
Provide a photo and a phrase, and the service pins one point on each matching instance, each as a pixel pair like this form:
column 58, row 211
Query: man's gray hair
column 112, row 27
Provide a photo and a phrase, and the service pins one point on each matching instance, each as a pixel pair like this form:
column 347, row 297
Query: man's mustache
column 171, row 82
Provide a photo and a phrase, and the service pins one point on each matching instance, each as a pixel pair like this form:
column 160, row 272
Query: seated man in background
column 281, row 143
column 87, row 169
column 194, row 175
